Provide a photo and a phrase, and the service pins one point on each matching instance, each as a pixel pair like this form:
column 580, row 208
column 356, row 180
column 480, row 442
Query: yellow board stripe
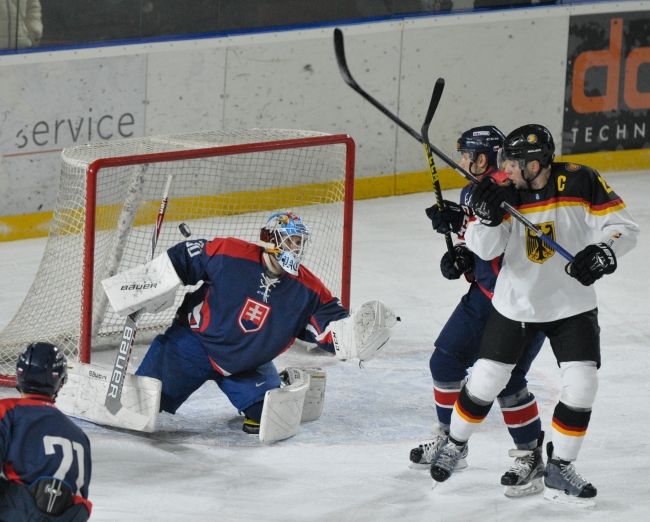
column 36, row 224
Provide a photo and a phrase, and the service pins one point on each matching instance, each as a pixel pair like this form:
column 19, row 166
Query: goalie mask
column 42, row 369
column 285, row 236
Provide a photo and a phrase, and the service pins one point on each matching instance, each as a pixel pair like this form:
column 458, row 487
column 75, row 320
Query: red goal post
column 225, row 183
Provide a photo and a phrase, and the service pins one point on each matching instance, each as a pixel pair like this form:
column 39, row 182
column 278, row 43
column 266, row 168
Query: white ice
column 352, row 464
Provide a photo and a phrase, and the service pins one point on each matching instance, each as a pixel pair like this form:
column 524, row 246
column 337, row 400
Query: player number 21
column 68, row 449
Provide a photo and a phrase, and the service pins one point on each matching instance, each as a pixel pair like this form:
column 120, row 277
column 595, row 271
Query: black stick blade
column 433, row 105
column 339, row 51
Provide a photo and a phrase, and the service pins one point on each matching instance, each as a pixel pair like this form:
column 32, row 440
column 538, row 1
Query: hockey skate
column 525, row 476
column 564, row 484
column 421, row 456
column 444, row 461
column 250, row 426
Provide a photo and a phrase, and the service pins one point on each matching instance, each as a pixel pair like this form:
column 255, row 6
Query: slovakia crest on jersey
column 253, row 315
column 536, row 250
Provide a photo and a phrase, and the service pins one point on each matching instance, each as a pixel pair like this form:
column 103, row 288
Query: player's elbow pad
column 364, row 333
column 150, row 287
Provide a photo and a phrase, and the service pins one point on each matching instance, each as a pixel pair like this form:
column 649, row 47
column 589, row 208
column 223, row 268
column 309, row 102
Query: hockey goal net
column 225, row 183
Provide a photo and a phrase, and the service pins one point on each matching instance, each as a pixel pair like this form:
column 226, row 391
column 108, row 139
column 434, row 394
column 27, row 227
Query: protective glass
column 503, row 159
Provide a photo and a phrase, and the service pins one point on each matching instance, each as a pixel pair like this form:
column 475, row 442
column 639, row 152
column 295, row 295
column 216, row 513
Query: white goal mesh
column 225, row 183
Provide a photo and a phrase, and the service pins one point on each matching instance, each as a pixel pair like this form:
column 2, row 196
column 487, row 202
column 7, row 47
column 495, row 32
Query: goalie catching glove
column 363, row 334
column 150, row 287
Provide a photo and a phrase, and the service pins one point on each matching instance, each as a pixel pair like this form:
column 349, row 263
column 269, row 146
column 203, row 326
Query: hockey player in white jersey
column 537, row 291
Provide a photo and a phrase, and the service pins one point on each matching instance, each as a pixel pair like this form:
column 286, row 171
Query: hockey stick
column 339, row 50
column 435, row 178
column 113, row 401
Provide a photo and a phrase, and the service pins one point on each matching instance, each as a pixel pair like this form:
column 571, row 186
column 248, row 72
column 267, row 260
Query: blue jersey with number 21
column 38, row 441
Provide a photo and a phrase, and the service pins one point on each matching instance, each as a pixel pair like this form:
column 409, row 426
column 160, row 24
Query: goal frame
column 94, row 171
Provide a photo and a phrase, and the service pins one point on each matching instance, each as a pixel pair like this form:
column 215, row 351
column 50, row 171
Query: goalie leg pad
column 282, row 410
column 315, row 396
column 84, row 393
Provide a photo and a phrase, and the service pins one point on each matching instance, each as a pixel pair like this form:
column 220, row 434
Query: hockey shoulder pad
column 364, row 333
column 150, row 287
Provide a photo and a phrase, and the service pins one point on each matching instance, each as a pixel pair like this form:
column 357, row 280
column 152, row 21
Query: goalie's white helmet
column 286, row 237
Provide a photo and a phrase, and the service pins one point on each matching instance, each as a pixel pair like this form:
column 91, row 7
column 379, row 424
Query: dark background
column 82, row 22
column 592, row 33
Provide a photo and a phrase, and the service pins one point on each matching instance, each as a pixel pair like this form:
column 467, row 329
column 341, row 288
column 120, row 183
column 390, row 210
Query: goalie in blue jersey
column 255, row 300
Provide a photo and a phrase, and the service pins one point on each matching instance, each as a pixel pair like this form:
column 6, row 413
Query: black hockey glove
column 486, row 199
column 592, row 263
column 454, row 267
column 452, row 218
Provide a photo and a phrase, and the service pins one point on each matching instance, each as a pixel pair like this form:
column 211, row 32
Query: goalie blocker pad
column 150, row 287
column 83, row 397
column 300, row 400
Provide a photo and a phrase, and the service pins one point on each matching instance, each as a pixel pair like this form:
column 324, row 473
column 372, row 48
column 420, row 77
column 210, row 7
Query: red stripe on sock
column 445, row 397
column 520, row 414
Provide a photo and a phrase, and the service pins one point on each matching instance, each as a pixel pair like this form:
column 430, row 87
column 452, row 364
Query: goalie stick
column 113, row 401
column 339, row 50
column 435, row 178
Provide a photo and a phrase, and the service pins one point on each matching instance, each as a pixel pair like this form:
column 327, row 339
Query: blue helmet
column 481, row 140
column 41, row 368
column 289, row 237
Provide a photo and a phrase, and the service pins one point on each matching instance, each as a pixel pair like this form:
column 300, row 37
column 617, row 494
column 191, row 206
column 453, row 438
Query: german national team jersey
column 38, row 441
column 485, row 272
column 575, row 208
column 242, row 317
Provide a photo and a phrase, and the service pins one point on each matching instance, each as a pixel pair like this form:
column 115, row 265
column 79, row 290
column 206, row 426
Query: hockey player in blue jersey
column 254, row 301
column 45, row 457
column 457, row 345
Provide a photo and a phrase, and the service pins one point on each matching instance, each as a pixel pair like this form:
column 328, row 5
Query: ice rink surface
column 352, row 464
